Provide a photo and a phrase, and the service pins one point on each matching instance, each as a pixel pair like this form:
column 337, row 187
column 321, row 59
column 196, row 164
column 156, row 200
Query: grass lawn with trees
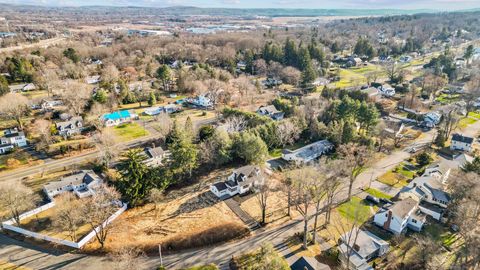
column 377, row 193
column 356, row 208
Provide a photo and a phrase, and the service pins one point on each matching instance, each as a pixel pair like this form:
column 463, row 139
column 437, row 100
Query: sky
column 362, row 4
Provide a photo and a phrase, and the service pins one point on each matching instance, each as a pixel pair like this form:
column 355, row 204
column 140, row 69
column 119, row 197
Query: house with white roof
column 386, row 91
column 461, row 143
column 241, row 181
column 200, row 101
column 93, row 79
column 155, row 156
column 22, row 87
column 358, row 247
column 308, row 152
column 402, row 214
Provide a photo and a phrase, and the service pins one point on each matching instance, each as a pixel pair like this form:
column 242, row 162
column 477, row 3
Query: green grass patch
column 474, row 114
column 131, row 131
column 393, row 179
column 447, row 99
column 377, row 193
column 203, row 267
column 440, row 234
column 349, row 78
column 466, row 121
column 401, row 169
column 355, row 209
column 276, row 153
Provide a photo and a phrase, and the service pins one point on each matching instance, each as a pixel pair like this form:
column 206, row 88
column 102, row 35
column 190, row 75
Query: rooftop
column 460, row 138
column 404, row 207
column 117, row 115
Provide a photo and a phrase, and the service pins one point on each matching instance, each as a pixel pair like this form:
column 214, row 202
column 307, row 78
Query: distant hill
column 187, row 10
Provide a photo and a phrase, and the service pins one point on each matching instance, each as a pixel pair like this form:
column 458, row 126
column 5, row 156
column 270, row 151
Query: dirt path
column 42, row 43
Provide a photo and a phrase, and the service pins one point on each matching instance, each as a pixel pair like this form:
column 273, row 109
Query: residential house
column 394, row 127
column 308, row 263
column 461, row 143
column 358, row 247
column 307, row 153
column 93, row 79
column 82, row 183
column 47, row 105
column 22, row 87
column 386, row 91
column 117, row 118
column 155, row 155
column 402, row 214
column 271, row 112
column 271, row 82
column 171, row 108
column 429, row 189
column 12, row 138
column 200, row 101
column 72, row 126
column 153, row 111
column 431, row 119
column 241, row 181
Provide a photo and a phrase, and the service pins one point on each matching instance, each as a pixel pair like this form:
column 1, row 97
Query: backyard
column 129, row 131
column 400, row 176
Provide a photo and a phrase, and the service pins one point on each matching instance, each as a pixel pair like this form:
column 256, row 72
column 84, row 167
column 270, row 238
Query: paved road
column 41, row 44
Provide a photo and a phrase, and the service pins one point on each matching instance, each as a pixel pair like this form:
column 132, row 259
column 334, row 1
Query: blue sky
column 365, row 4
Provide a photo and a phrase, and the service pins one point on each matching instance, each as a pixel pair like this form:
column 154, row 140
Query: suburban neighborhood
column 304, row 136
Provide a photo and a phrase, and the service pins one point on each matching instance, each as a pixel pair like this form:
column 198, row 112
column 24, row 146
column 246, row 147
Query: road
column 41, row 44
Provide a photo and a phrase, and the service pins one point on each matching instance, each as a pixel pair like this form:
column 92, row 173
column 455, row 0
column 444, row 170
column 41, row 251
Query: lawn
column 377, row 193
column 365, row 69
column 128, row 132
column 466, row 121
column 357, row 209
column 17, row 159
column 440, row 234
column 403, row 170
column 393, row 179
column 349, row 78
column 474, row 114
column 446, row 98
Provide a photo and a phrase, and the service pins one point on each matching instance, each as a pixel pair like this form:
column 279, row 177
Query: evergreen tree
column 184, row 154
column 101, row 96
column 164, row 74
column 250, row 148
column 308, row 76
column 3, row 86
column 135, row 181
column 71, row 54
column 152, row 99
column 290, row 53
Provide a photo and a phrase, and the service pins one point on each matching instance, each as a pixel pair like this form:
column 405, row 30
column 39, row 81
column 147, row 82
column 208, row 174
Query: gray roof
column 269, row 109
column 220, row 186
column 403, row 207
column 308, row 263
column 155, row 152
column 70, row 124
column 85, row 176
column 365, row 244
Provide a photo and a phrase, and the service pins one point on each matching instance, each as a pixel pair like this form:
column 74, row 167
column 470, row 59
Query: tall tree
column 164, row 74
column 68, row 215
column 184, row 154
column 14, row 106
column 134, row 182
column 356, row 158
column 16, row 199
column 3, row 86
column 250, row 148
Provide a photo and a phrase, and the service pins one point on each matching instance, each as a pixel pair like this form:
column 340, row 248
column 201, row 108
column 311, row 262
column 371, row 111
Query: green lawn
column 401, row 169
column 131, row 131
column 393, row 179
column 474, row 115
column 446, row 98
column 440, row 234
column 203, row 267
column 377, row 193
column 357, row 209
column 349, row 78
column 276, row 153
column 464, row 122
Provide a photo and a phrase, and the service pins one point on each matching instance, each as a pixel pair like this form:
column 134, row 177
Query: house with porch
column 12, row 138
column 72, row 126
column 241, row 181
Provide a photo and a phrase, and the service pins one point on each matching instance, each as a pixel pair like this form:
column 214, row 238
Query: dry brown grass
column 188, row 217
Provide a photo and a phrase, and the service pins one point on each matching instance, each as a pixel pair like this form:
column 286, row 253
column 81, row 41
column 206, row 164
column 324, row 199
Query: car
column 414, row 150
column 372, row 199
column 385, row 201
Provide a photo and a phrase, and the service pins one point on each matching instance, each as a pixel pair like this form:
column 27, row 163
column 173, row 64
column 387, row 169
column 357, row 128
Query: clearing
column 130, row 131
column 188, row 217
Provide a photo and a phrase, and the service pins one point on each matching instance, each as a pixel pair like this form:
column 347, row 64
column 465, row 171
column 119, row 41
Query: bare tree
column 164, row 124
column 302, row 180
column 75, row 95
column 98, row 209
column 450, row 123
column 106, row 141
column 16, row 198
column 472, row 93
column 263, row 191
column 356, row 158
column 334, row 172
column 155, row 196
column 318, row 195
column 287, row 132
column 235, row 124
column 14, row 106
column 126, row 258
column 68, row 215
column 43, row 128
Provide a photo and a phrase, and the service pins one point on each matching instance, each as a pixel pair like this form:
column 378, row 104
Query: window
column 414, row 220
column 386, row 215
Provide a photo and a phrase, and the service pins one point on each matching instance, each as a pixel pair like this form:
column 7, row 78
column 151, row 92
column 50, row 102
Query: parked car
column 372, row 199
column 385, row 201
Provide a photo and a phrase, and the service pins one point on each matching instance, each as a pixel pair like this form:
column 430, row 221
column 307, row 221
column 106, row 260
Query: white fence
column 8, row 225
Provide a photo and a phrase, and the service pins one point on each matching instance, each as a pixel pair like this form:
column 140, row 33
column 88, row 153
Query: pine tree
column 3, row 86
column 135, row 181
column 152, row 99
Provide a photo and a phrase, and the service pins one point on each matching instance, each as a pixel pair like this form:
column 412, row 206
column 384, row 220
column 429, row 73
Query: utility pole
column 160, row 253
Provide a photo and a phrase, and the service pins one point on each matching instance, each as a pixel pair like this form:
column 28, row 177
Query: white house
column 200, row 101
column 241, row 181
column 308, row 152
column 386, row 91
column 358, row 247
column 155, row 156
column 271, row 112
column 93, row 79
column 116, row 118
column 461, row 143
column 22, row 87
column 153, row 111
column 70, row 127
column 12, row 138
column 81, row 183
column 429, row 189
column 50, row 104
column 400, row 215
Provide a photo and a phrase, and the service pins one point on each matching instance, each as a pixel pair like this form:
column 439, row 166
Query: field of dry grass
column 188, row 217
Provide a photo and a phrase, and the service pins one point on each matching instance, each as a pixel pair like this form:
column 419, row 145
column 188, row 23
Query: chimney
column 386, row 225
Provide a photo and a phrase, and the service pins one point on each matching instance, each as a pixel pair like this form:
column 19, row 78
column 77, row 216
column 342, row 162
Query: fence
column 8, row 225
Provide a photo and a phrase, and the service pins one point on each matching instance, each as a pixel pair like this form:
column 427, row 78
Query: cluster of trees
column 363, row 48
column 19, row 68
